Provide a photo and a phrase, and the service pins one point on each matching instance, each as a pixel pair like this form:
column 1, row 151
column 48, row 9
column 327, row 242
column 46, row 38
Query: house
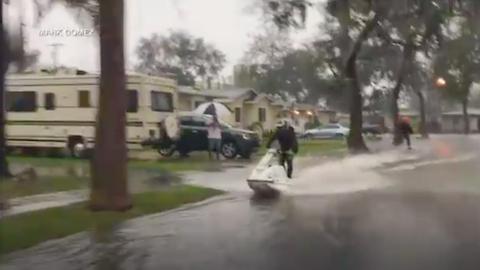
column 342, row 118
column 326, row 116
column 298, row 114
column 250, row 109
column 190, row 98
column 452, row 122
column 253, row 110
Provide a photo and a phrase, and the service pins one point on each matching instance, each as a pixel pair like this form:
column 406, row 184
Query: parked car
column 193, row 137
column 327, row 131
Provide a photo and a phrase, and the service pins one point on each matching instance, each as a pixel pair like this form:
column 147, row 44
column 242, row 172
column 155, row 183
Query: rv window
column 162, row 102
column 49, row 101
column 132, row 101
column 262, row 115
column 83, row 99
column 21, row 101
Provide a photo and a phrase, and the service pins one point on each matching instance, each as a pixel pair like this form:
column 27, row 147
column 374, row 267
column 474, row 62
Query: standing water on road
column 378, row 211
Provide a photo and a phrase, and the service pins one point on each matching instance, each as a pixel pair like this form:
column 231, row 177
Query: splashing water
column 352, row 174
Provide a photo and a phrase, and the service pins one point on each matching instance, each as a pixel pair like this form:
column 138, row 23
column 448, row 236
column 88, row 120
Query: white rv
column 59, row 111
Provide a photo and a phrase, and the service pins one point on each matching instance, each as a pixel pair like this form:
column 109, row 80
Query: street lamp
column 440, row 82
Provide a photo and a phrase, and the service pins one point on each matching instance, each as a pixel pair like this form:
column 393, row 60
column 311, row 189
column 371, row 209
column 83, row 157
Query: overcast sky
column 228, row 24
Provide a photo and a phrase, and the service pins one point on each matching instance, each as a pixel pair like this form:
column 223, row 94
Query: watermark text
column 66, row 32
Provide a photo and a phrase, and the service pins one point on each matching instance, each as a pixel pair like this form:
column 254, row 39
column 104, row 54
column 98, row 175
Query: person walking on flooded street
column 214, row 130
column 406, row 130
column 285, row 135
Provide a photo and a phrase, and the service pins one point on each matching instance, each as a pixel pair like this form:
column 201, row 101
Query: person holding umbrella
column 214, row 130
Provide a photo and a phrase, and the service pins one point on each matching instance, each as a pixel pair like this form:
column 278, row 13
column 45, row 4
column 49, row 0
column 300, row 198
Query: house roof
column 259, row 97
column 304, row 106
column 231, row 93
column 471, row 111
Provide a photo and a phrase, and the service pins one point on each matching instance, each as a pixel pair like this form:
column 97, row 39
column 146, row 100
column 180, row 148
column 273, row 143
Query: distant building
column 326, row 116
column 452, row 122
column 249, row 108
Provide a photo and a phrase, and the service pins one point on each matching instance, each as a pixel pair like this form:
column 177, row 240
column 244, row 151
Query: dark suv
column 372, row 129
column 193, row 137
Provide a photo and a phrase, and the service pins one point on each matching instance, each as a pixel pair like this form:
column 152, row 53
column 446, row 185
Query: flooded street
column 395, row 209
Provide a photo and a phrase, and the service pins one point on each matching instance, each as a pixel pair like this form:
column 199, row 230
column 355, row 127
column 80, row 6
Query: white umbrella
column 213, row 108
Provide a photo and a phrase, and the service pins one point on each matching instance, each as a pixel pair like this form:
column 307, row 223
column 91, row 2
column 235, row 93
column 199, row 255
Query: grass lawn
column 12, row 189
column 26, row 230
column 317, row 147
column 313, row 147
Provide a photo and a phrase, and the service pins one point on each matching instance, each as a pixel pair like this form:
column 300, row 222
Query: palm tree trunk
column 423, row 115
column 109, row 189
column 4, row 171
column 355, row 141
column 466, row 117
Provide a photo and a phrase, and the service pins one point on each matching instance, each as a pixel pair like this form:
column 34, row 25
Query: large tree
column 287, row 72
column 359, row 16
column 180, row 54
column 412, row 26
column 109, row 188
column 459, row 64
column 420, row 27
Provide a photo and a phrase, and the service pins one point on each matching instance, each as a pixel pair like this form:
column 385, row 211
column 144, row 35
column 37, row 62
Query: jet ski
column 268, row 177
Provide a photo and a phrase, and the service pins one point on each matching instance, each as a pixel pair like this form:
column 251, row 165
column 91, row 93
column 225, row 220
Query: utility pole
column 55, row 47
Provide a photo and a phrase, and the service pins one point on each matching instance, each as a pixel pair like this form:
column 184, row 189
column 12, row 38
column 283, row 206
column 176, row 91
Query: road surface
column 396, row 209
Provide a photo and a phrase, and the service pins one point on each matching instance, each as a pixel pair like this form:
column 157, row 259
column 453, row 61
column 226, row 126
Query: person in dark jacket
column 285, row 135
column 405, row 130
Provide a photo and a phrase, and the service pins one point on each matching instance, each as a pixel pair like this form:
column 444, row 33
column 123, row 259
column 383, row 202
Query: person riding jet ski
column 285, row 135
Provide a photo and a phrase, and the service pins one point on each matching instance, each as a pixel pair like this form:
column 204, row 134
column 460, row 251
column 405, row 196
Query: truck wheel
column 229, row 150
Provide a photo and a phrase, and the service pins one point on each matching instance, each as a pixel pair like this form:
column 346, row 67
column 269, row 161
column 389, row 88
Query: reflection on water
column 139, row 179
column 345, row 215
column 78, row 171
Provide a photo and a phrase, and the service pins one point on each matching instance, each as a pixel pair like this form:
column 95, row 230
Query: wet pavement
column 396, row 209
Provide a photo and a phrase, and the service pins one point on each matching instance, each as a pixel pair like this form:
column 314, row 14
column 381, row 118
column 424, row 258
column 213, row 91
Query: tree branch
column 332, row 69
column 382, row 33
column 358, row 43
